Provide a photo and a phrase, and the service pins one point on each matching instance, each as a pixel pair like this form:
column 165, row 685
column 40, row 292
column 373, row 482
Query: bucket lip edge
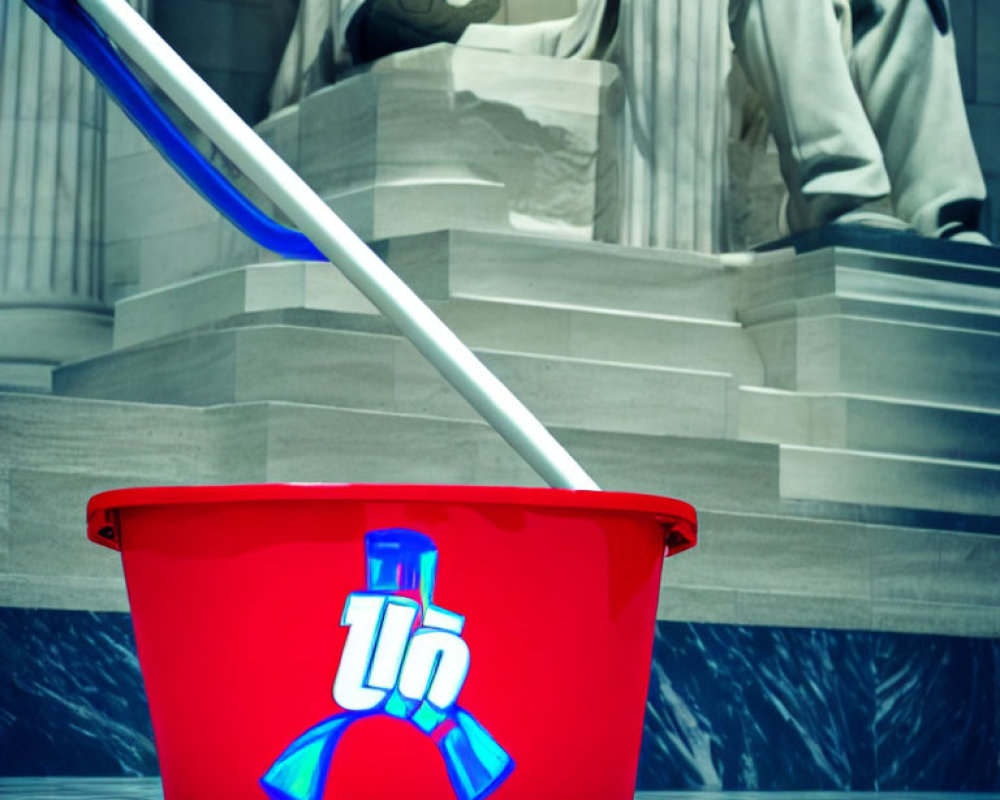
column 679, row 513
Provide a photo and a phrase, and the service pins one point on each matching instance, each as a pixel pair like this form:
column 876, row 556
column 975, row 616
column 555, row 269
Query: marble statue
column 863, row 98
column 672, row 159
column 865, row 103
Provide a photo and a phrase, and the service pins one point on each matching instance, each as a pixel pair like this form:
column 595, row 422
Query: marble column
column 675, row 57
column 51, row 185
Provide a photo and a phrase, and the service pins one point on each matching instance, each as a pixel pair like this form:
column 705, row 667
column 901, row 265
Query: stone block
column 891, row 481
column 936, row 567
column 654, row 340
column 171, row 257
column 48, row 524
column 50, row 336
column 798, row 611
column 311, row 443
column 221, row 296
column 936, row 618
column 899, row 287
column 54, row 434
column 384, row 373
column 844, row 322
column 402, row 209
column 793, row 557
column 873, row 424
column 5, row 530
column 919, row 362
column 64, row 592
column 711, row 475
column 694, row 603
column 583, row 394
column 594, row 275
column 445, row 115
column 21, row 377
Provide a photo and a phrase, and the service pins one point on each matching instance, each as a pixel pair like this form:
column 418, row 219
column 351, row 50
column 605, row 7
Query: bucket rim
column 679, row 519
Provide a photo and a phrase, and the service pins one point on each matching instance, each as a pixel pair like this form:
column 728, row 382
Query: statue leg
column 907, row 76
column 794, row 56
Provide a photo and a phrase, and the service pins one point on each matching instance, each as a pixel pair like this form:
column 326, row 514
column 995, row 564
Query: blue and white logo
column 405, row 658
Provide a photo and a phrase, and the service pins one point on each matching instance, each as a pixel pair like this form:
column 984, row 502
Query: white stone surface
column 870, row 423
column 214, row 298
column 595, row 275
column 893, row 481
column 444, row 116
column 362, row 370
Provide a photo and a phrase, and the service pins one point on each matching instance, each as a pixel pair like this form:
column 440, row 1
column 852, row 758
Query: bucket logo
column 404, row 658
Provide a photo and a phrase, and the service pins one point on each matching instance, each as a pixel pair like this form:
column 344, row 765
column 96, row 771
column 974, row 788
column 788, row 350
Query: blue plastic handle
column 89, row 43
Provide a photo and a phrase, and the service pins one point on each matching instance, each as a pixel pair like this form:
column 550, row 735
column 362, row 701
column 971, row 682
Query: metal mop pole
column 282, row 185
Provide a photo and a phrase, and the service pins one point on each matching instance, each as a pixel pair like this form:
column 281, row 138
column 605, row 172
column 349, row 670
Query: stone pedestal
column 439, row 138
column 456, row 137
column 51, row 153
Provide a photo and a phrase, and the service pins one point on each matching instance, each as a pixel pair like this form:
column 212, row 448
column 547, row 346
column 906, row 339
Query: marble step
column 891, row 481
column 876, row 424
column 385, row 373
column 781, row 570
column 858, row 355
column 755, row 564
column 606, row 335
column 921, row 283
column 515, row 266
column 318, row 295
column 760, row 562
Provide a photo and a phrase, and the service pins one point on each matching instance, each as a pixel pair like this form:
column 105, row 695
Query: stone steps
column 758, row 562
column 590, row 274
column 607, row 335
column 385, row 373
column 860, row 355
column 889, row 480
column 874, row 424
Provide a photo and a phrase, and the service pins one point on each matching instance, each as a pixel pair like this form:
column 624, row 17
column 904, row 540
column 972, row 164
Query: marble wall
column 730, row 707
column 783, row 709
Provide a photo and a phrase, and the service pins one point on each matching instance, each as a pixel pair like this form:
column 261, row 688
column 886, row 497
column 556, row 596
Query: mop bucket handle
column 89, row 27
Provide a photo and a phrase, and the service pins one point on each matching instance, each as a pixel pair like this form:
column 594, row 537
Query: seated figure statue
column 864, row 102
column 863, row 96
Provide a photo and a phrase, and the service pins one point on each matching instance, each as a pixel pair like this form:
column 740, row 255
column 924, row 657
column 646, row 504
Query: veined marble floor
column 149, row 789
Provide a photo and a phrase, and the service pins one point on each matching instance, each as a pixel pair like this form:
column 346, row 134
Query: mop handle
column 317, row 221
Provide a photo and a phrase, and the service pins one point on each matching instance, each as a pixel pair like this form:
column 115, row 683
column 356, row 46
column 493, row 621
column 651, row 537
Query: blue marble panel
column 937, row 723
column 741, row 708
column 729, row 707
column 71, row 696
column 757, row 708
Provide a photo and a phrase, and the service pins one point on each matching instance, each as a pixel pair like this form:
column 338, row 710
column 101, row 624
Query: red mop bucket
column 360, row 642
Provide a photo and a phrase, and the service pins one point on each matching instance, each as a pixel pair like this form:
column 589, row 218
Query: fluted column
column 675, row 58
column 51, row 167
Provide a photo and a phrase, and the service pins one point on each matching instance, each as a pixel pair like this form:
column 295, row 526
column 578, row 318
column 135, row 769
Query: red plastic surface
column 237, row 593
